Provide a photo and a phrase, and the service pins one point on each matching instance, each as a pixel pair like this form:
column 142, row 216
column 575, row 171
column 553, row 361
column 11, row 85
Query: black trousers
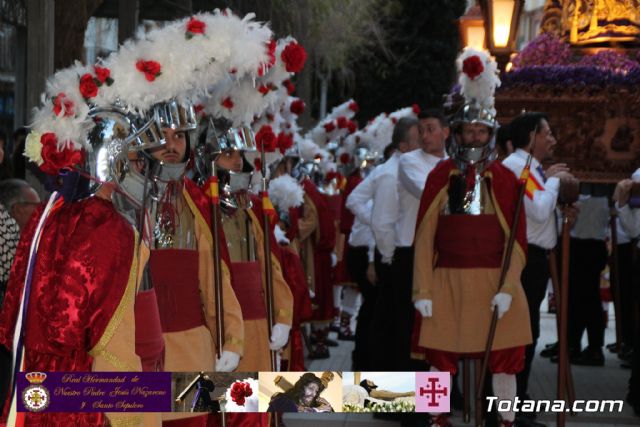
column 587, row 259
column 634, row 380
column 357, row 260
column 625, row 285
column 534, row 278
column 394, row 312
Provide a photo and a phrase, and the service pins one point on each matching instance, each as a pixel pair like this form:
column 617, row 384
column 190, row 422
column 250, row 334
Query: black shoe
column 590, row 357
column 346, row 335
column 613, row 347
column 625, row 355
column 550, row 350
column 573, row 355
column 553, row 344
column 331, row 343
column 319, row 352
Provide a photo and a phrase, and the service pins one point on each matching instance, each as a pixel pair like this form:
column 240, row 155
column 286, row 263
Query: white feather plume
column 285, row 192
column 481, row 89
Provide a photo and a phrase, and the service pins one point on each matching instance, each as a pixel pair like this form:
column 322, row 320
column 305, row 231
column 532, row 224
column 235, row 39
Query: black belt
column 535, row 249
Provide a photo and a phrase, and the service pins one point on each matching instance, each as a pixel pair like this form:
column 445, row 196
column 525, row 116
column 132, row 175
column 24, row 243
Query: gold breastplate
column 174, row 226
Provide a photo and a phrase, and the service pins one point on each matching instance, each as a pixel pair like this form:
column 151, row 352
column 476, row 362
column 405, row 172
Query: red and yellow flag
column 212, row 191
column 268, row 209
column 530, row 182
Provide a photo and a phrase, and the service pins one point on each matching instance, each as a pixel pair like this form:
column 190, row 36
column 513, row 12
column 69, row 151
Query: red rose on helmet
column 103, row 75
column 353, row 106
column 88, row 86
column 195, row 26
column 294, row 57
column 266, row 140
column 297, row 107
column 351, row 126
column 151, row 69
column 345, row 158
column 53, row 160
column 289, row 86
column 227, row 103
column 342, row 122
column 285, row 141
column 472, row 66
column 62, row 103
column 329, row 127
column 415, row 108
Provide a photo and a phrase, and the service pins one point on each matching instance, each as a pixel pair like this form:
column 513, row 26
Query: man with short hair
column 19, row 198
column 413, row 169
column 530, row 134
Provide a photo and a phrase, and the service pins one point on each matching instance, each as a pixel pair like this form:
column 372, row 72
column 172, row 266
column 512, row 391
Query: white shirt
column 593, row 218
column 413, row 169
column 629, row 219
column 380, row 186
column 540, row 211
column 361, row 234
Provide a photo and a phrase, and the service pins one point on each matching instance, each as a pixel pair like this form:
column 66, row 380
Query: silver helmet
column 464, row 154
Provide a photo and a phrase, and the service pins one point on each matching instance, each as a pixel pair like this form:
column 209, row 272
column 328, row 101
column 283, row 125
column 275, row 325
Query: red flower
column 103, row 75
column 394, row 120
column 271, row 52
column 54, row 160
column 270, row 117
column 345, row 158
column 195, row 26
column 60, row 103
column 88, row 86
column 472, row 66
column 353, row 106
column 240, row 391
column 329, row 127
column 342, row 122
column 293, row 57
column 227, row 103
column 285, row 141
column 297, row 107
column 352, row 126
column 263, row 89
column 198, row 108
column 151, row 69
column 266, row 140
column 289, row 86
column 257, row 164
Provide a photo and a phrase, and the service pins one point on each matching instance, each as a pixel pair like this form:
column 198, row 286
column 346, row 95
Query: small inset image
column 300, row 391
column 215, row 391
column 378, row 392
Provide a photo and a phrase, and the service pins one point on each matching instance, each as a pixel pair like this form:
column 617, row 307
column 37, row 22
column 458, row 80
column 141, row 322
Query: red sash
column 174, row 274
column 246, row 280
column 149, row 342
column 469, row 241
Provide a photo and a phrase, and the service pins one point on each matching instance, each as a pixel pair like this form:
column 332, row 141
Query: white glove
column 334, row 259
column 503, row 302
column 424, row 306
column 279, row 336
column 281, row 237
column 228, row 361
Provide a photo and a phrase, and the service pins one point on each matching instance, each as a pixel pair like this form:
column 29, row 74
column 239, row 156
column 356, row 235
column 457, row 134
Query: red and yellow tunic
column 457, row 265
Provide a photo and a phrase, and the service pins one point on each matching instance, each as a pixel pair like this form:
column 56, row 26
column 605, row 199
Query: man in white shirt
column 382, row 188
column 530, row 133
column 413, row 169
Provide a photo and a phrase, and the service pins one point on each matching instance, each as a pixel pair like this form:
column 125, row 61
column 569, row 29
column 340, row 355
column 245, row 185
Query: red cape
column 503, row 183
